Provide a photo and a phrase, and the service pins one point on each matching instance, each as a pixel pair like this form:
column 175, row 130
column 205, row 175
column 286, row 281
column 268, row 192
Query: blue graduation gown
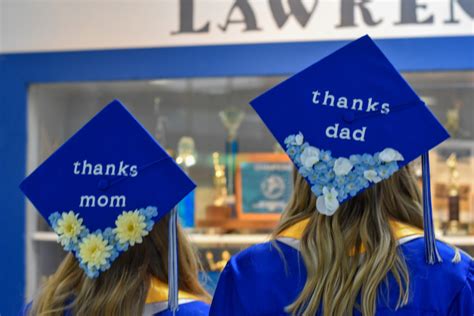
column 193, row 308
column 258, row 282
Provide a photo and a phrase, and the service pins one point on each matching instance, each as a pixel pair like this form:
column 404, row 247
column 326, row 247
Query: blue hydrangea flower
column 352, row 188
column 292, row 151
column 104, row 267
column 392, row 167
column 114, row 254
column 368, row 159
column 328, row 176
column 70, row 246
column 355, row 159
column 339, row 181
column 321, row 167
column 305, row 172
column 53, row 219
column 149, row 225
column 317, row 189
column 362, row 182
column 313, row 178
column 150, row 212
column 108, row 233
column 122, row 247
column 342, row 193
column 331, row 163
column 377, row 158
column 84, row 233
column 325, row 155
column 289, row 140
column 382, row 171
column 386, row 170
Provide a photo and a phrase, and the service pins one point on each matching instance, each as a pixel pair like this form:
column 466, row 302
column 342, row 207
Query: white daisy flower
column 68, row 228
column 95, row 251
column 309, row 156
column 327, row 203
column 342, row 166
column 130, row 227
column 372, row 176
column 389, row 155
column 299, row 139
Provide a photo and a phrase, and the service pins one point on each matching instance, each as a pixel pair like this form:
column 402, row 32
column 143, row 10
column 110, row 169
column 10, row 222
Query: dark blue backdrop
column 17, row 71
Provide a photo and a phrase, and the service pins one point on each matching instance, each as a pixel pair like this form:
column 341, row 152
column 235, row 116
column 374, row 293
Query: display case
column 243, row 176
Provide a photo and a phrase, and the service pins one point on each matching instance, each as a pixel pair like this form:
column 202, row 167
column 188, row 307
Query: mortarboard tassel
column 173, row 263
column 431, row 252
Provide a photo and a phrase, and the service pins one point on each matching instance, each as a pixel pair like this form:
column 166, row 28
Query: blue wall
column 17, row 71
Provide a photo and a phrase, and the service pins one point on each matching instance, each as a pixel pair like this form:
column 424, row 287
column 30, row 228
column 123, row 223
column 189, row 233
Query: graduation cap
column 349, row 121
column 105, row 187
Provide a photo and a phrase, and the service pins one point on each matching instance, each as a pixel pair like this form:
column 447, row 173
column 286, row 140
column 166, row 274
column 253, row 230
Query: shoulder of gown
column 263, row 279
column 442, row 289
column 194, row 308
column 252, row 281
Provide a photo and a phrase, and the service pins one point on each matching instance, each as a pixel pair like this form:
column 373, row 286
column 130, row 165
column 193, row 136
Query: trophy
column 220, row 187
column 160, row 125
column 186, row 158
column 217, row 265
column 186, row 153
column 231, row 119
column 453, row 227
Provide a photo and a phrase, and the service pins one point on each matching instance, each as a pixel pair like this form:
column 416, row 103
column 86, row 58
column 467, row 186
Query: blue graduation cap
column 350, row 120
column 104, row 188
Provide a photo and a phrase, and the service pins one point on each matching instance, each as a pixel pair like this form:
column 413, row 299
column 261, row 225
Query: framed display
column 263, row 185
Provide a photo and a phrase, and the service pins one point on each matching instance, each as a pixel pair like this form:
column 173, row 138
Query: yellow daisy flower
column 94, row 251
column 68, row 227
column 130, row 227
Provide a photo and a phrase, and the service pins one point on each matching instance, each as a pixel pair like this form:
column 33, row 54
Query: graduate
column 357, row 236
column 109, row 193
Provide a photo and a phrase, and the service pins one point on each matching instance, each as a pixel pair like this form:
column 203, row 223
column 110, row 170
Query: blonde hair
column 121, row 290
column 338, row 275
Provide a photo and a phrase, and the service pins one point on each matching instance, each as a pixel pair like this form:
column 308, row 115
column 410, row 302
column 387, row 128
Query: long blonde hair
column 339, row 277
column 122, row 289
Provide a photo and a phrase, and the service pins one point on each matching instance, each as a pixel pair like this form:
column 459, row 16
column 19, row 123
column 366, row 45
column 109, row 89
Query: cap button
column 348, row 117
column 103, row 184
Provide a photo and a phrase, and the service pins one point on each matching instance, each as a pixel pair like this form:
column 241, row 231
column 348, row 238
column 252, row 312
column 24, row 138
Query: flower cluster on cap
column 97, row 250
column 333, row 180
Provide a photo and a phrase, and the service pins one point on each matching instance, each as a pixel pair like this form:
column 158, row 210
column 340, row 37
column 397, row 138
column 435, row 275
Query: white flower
column 309, row 156
column 389, row 155
column 299, row 139
column 372, row 176
column 95, row 251
column 130, row 227
column 342, row 166
column 327, row 203
column 68, row 228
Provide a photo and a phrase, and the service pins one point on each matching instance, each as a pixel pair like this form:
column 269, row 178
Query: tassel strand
column 431, row 251
column 173, row 300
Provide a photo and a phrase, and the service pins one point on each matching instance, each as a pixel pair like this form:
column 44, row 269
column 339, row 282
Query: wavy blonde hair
column 122, row 289
column 338, row 275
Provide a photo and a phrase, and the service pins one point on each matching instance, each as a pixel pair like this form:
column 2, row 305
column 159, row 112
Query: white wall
column 52, row 25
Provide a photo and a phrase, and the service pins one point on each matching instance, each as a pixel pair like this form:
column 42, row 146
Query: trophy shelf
column 203, row 240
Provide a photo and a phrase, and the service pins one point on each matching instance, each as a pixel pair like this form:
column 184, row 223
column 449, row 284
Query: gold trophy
column 220, row 188
column 217, row 265
column 453, row 227
column 231, row 118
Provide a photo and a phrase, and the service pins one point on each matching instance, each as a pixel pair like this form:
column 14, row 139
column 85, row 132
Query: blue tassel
column 173, row 299
column 431, row 251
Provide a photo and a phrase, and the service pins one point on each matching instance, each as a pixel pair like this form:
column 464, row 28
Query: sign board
column 263, row 185
column 51, row 25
